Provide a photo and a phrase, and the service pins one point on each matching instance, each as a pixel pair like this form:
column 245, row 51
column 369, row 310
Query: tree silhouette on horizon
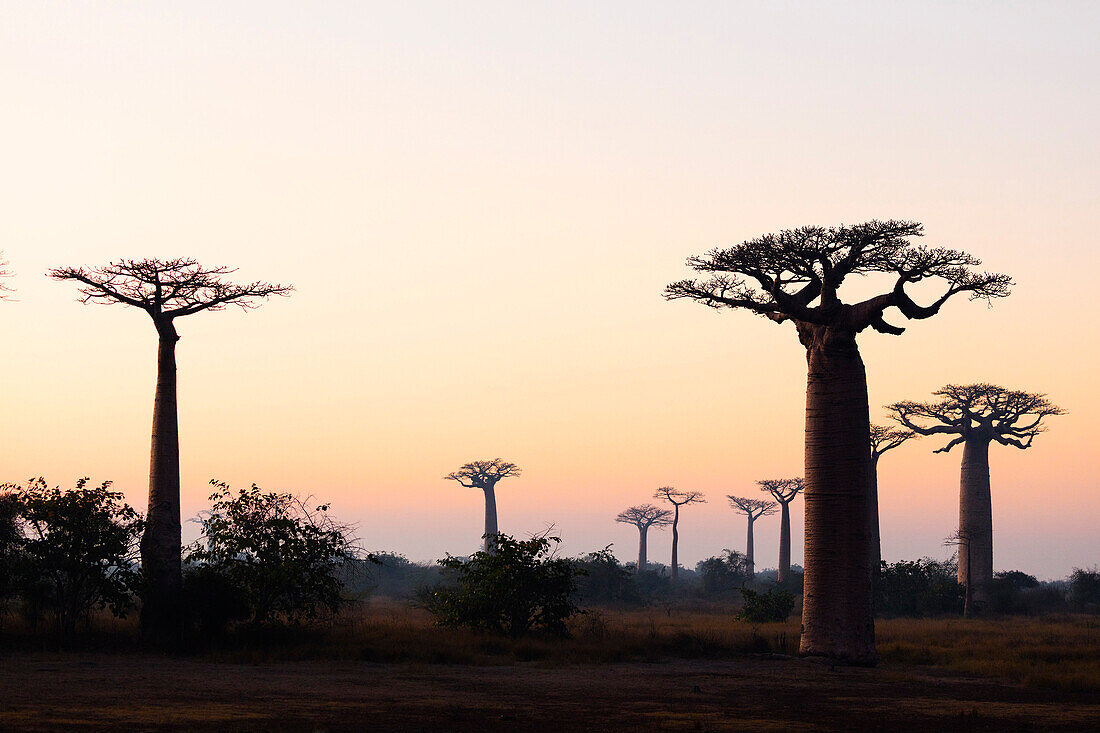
column 784, row 491
column 678, row 499
column 795, row 275
column 883, row 439
column 166, row 290
column 644, row 516
column 753, row 509
column 977, row 415
column 485, row 475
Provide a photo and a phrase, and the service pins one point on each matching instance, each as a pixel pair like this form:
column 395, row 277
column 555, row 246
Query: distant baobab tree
column 643, row 517
column 795, row 276
column 784, row 491
column 677, row 498
column 883, row 438
column 166, row 290
column 484, row 475
column 753, row 509
column 977, row 415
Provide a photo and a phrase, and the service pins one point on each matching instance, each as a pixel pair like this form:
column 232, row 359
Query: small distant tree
column 281, row 553
column 1084, row 590
column 784, row 491
column 723, row 573
column 513, row 587
column 643, row 517
column 485, row 475
column 883, row 439
column 80, row 545
column 166, row 290
column 678, row 499
column 753, row 509
column 976, row 415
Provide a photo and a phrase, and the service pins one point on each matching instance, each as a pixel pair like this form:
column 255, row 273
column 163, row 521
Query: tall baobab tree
column 643, row 517
column 784, row 491
column 795, row 276
column 977, row 415
column 883, row 438
column 677, row 498
column 753, row 509
column 167, row 290
column 484, row 475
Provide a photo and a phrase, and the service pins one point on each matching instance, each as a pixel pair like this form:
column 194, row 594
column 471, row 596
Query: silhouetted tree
column 484, row 475
column 795, row 276
column 753, row 509
column 977, row 415
column 882, row 439
column 643, row 517
column 784, row 491
column 677, row 499
column 166, row 290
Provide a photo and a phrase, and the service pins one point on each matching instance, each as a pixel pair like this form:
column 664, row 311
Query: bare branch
column 753, row 508
column 679, row 498
column 166, row 289
column 483, row 474
column 783, row 489
column 644, row 516
column 4, row 273
column 885, row 438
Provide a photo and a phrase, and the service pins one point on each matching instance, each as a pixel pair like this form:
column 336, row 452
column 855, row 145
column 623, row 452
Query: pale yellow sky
column 479, row 205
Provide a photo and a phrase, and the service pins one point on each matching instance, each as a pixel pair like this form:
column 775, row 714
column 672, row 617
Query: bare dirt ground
column 133, row 692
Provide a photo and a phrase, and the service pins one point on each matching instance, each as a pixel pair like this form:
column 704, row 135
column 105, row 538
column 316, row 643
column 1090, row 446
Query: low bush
column 773, row 605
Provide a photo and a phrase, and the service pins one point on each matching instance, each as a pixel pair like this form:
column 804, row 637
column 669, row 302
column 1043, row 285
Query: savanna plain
column 681, row 666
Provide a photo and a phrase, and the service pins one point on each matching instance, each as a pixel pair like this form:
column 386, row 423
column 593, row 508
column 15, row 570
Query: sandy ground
column 140, row 692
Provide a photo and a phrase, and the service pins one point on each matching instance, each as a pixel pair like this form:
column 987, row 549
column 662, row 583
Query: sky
column 479, row 204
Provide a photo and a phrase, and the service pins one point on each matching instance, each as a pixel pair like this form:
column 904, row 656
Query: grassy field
column 680, row 668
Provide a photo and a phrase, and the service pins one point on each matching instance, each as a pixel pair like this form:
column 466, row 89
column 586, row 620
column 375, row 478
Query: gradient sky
column 479, row 205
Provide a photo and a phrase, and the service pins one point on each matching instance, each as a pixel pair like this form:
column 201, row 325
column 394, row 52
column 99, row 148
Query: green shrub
column 760, row 608
column 917, row 588
column 515, row 587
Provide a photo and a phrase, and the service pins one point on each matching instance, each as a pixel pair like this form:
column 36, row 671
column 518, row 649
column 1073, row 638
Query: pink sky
column 480, row 204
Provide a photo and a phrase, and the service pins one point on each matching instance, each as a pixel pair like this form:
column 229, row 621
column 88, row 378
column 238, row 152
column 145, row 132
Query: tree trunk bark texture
column 642, row 559
column 837, row 617
column 161, row 543
column 784, row 542
column 975, row 521
column 873, row 523
column 675, row 541
column 750, row 560
column 490, row 516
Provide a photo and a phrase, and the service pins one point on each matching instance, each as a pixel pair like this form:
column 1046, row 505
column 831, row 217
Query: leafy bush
column 513, row 588
column 923, row 587
column 604, row 579
column 724, row 573
column 279, row 554
column 1084, row 590
column 77, row 549
column 760, row 608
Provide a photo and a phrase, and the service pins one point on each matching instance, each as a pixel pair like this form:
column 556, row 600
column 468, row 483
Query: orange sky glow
column 479, row 205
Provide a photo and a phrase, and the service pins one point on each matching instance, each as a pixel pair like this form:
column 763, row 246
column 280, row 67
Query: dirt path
column 136, row 692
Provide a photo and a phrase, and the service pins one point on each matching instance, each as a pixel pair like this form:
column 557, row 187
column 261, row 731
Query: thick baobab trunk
column 161, row 542
column 642, row 559
column 784, row 542
column 837, row 618
column 675, row 541
column 490, row 516
column 975, row 521
column 749, row 552
column 872, row 523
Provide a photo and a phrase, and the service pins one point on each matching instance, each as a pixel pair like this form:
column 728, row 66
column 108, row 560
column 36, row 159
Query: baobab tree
column 977, row 415
column 677, row 498
column 883, row 438
column 166, row 290
column 784, row 491
column 753, row 509
column 643, row 517
column 795, row 276
column 484, row 475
